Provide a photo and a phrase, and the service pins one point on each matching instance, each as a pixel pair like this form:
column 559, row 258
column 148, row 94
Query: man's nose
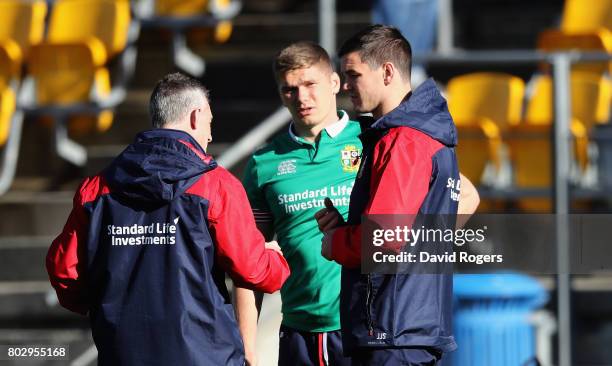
column 303, row 94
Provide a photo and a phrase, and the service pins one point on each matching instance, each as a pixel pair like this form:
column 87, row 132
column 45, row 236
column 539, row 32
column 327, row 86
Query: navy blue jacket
column 407, row 164
column 145, row 251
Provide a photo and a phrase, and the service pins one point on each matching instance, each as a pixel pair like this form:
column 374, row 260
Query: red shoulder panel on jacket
column 412, row 135
column 92, row 188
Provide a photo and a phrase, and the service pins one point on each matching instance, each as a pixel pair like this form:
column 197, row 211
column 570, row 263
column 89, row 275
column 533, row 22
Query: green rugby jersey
column 286, row 182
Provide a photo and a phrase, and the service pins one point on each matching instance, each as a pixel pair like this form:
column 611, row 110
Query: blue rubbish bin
column 491, row 321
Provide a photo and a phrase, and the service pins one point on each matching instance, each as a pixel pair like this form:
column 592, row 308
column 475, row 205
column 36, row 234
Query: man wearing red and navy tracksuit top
column 407, row 163
column 149, row 240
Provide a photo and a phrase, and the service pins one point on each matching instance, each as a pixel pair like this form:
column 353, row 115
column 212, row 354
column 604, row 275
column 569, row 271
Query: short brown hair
column 377, row 44
column 300, row 55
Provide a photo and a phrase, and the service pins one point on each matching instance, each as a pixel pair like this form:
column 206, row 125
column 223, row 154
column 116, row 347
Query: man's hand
column 274, row 246
column 469, row 199
column 326, row 244
column 328, row 218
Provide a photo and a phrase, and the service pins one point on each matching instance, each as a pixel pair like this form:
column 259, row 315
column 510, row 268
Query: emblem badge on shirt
column 286, row 167
column 350, row 158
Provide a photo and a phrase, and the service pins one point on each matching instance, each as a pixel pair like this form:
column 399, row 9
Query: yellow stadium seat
column 531, row 141
column 586, row 26
column 71, row 65
column 22, row 24
column 192, row 22
column 10, row 62
column 483, row 106
column 11, row 121
column 600, row 40
column 76, row 21
column 7, row 108
column 180, row 7
column 580, row 16
column 186, row 8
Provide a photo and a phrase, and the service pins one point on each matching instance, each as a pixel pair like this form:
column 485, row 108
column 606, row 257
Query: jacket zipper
column 369, row 306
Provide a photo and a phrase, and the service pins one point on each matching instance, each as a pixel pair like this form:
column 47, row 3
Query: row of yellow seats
column 104, row 23
column 70, row 62
column 488, row 111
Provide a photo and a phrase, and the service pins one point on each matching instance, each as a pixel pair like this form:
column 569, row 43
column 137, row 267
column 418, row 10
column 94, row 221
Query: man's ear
column 335, row 81
column 193, row 123
column 389, row 72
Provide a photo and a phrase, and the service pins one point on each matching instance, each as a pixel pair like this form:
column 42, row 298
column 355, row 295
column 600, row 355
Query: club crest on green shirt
column 287, row 167
column 349, row 157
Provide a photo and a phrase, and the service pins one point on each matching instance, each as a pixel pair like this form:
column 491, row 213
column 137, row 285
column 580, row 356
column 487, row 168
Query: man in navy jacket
column 407, row 163
column 149, row 240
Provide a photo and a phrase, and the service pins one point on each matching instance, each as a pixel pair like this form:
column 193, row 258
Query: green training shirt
column 286, row 182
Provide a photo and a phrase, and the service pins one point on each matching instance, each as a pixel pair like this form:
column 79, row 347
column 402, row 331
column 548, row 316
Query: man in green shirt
column 286, row 182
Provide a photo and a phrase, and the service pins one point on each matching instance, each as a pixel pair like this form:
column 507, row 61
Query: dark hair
column 377, row 44
column 173, row 97
column 300, row 55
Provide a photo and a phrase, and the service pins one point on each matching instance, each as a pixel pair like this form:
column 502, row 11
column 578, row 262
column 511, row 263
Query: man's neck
column 392, row 101
column 312, row 133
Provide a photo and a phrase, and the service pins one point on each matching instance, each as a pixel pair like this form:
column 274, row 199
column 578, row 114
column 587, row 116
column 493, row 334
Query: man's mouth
column 305, row 111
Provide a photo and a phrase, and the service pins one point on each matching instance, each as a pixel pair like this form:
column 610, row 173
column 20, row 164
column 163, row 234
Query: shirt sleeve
column 65, row 259
column 401, row 171
column 240, row 245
